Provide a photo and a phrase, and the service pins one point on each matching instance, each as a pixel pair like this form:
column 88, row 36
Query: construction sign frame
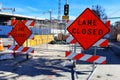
column 20, row 33
column 87, row 30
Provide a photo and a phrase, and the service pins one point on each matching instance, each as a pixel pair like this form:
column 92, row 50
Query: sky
column 41, row 8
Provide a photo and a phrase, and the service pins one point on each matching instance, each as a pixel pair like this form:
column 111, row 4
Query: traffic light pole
column 66, row 1
column 73, row 66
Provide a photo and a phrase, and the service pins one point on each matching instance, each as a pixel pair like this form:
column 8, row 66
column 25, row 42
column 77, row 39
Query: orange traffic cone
column 1, row 45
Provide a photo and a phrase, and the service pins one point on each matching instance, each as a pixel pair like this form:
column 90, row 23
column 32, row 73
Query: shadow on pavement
column 32, row 67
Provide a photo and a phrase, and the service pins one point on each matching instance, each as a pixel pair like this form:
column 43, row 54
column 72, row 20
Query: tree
column 99, row 11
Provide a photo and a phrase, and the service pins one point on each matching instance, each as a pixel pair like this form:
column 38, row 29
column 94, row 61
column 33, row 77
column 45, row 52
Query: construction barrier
column 39, row 39
column 100, row 43
column 86, row 57
column 1, row 45
column 21, row 49
column 26, row 22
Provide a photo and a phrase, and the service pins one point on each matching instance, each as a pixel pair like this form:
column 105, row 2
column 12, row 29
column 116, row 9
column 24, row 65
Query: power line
column 113, row 18
column 115, row 12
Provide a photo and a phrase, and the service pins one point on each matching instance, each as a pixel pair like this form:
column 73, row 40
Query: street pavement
column 49, row 63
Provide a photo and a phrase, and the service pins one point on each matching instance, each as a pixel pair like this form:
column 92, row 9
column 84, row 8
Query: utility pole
column 50, row 14
column 66, row 1
column 59, row 10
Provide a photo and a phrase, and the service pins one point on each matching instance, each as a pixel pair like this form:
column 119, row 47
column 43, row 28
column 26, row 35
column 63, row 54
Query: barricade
column 21, row 49
column 86, row 57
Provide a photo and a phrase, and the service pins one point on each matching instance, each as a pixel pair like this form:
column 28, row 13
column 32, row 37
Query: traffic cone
column 1, row 45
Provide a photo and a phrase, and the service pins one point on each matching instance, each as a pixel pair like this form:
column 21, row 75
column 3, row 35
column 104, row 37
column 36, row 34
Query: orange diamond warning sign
column 87, row 29
column 20, row 33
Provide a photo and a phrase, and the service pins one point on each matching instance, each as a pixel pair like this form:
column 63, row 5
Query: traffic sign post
column 20, row 33
column 87, row 29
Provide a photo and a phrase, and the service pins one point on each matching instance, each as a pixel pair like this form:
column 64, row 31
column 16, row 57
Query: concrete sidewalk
column 106, row 72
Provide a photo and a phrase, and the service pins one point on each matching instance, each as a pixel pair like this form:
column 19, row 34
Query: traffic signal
column 66, row 9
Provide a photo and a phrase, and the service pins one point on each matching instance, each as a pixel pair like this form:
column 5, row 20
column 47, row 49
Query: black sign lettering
column 83, row 31
column 87, row 22
column 94, row 23
column 84, row 22
column 20, row 35
column 88, row 31
column 75, row 31
column 100, row 32
column 20, row 29
column 79, row 22
column 94, row 31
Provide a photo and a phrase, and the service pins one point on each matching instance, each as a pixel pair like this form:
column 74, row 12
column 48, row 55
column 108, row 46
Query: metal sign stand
column 14, row 54
column 93, row 65
column 73, row 64
column 47, row 40
column 95, row 51
column 27, row 55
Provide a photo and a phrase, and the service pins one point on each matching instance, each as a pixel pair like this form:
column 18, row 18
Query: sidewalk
column 106, row 72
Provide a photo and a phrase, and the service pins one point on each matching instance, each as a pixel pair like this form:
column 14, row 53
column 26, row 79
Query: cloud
column 18, row 9
column 72, row 17
column 30, row 11
column 32, row 8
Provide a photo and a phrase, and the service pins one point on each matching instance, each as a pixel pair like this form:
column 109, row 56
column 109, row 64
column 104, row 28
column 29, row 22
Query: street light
column 50, row 12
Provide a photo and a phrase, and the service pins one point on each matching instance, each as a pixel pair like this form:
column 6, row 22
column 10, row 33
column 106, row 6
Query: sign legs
column 27, row 55
column 95, row 51
column 14, row 54
column 74, row 64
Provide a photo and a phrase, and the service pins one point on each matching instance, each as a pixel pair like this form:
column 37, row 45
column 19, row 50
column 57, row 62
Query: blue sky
column 36, row 8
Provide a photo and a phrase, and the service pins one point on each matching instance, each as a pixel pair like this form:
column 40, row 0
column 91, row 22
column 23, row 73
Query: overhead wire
column 113, row 14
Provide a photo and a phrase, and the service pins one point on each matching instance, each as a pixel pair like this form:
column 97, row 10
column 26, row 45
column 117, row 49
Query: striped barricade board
column 86, row 57
column 21, row 48
column 26, row 22
column 100, row 43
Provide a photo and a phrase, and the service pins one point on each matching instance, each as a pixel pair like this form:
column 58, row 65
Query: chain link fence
column 43, row 27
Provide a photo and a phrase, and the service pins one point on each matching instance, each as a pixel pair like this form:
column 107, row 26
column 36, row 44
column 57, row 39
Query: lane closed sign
column 87, row 29
column 20, row 33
